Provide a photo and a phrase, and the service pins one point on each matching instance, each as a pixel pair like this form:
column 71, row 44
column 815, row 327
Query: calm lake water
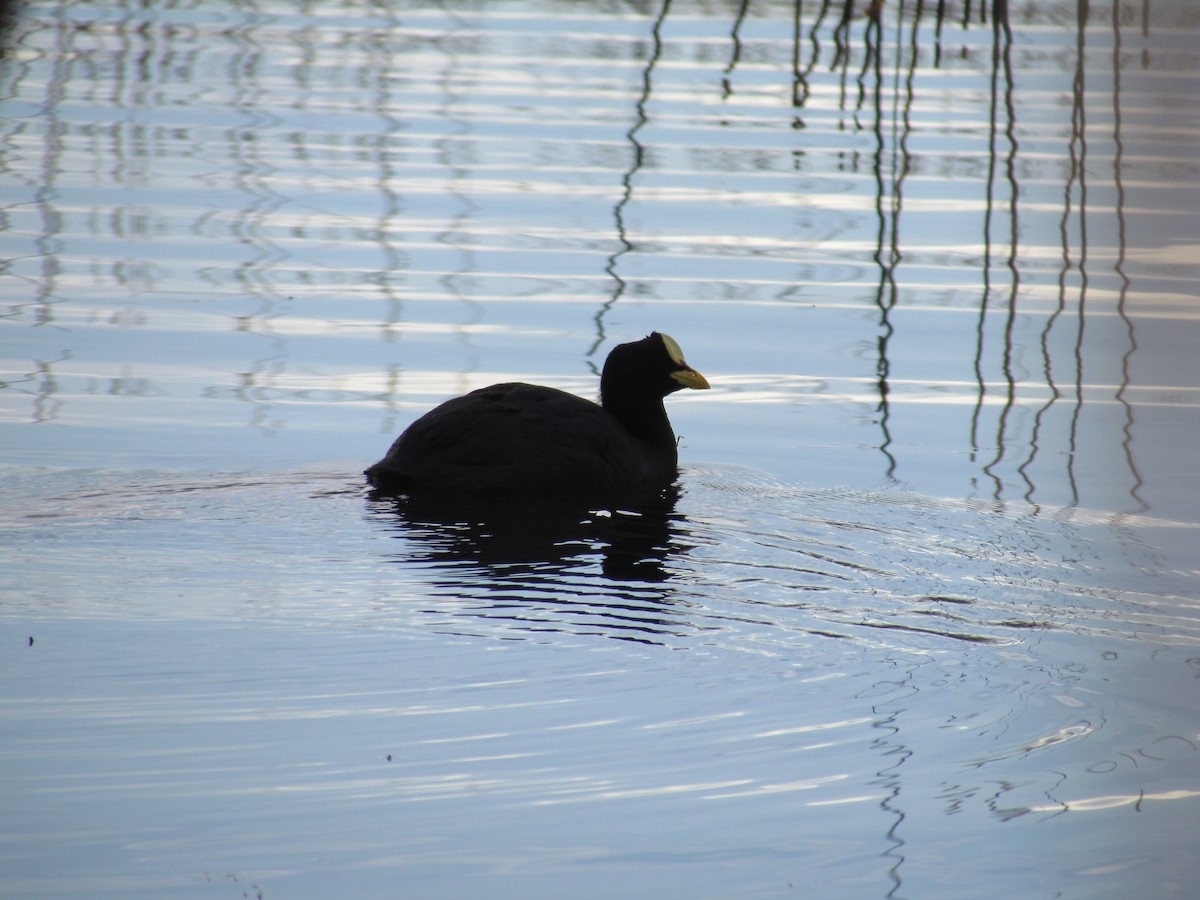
column 924, row 618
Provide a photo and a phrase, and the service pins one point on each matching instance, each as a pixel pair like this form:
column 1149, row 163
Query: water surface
column 922, row 619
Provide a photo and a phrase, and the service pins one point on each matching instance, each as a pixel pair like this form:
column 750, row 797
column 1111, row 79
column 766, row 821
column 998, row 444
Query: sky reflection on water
column 924, row 608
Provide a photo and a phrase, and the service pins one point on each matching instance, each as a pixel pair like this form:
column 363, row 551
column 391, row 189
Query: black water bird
column 525, row 440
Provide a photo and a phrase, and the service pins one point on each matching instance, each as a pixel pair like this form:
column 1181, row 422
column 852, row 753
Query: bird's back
column 517, row 438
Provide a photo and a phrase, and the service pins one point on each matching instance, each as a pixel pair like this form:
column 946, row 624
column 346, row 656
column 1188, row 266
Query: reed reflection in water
column 957, row 232
column 1065, row 274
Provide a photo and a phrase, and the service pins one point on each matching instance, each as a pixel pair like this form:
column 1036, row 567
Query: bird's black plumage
column 522, row 439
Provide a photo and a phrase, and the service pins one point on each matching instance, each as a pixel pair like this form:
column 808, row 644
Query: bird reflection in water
column 547, row 565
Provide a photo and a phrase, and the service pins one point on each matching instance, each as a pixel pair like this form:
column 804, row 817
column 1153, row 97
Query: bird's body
column 518, row 439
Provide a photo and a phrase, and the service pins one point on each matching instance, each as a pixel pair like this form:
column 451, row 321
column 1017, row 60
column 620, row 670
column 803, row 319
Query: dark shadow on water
column 544, row 565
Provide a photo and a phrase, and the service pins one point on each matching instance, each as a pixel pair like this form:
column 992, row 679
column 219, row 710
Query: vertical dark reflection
column 451, row 150
column 1078, row 157
column 871, row 66
column 841, row 56
column 1002, row 36
column 888, row 779
column 981, row 319
column 939, row 21
column 46, row 405
column 1002, row 67
column 801, row 74
column 986, row 295
column 814, row 38
column 735, row 48
column 901, row 166
column 981, row 380
column 885, row 291
column 841, row 32
column 255, row 177
column 637, row 160
column 42, row 290
column 799, row 77
column 255, row 172
column 379, row 72
column 1054, row 393
column 891, row 165
column 1139, row 504
column 1145, row 33
column 48, row 242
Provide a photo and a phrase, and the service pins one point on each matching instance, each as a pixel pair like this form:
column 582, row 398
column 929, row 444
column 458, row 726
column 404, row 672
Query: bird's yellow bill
column 689, row 377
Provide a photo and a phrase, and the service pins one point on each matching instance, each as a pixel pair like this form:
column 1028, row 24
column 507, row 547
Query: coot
column 520, row 439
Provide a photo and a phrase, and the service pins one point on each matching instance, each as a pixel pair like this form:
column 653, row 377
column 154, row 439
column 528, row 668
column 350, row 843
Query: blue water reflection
column 923, row 607
column 973, row 262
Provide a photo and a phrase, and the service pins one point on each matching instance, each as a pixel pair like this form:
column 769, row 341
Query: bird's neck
column 646, row 419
